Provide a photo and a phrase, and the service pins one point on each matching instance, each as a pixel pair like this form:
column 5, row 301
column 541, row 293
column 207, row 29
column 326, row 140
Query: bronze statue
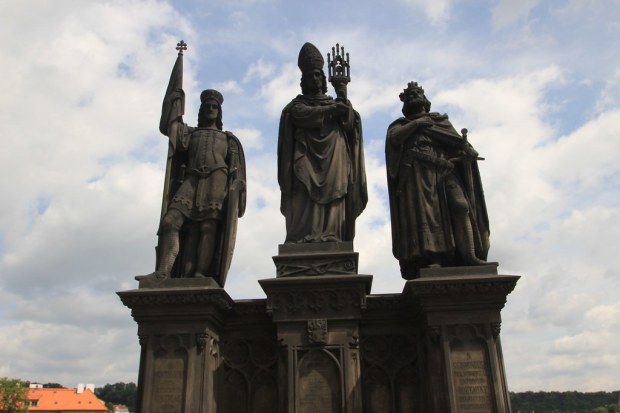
column 320, row 155
column 439, row 215
column 204, row 191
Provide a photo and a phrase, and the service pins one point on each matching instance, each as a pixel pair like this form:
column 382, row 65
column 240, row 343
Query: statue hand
column 470, row 151
column 340, row 109
column 424, row 121
column 177, row 94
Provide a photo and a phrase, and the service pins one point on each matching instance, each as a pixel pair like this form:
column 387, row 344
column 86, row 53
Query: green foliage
column 610, row 408
column 53, row 386
column 119, row 393
column 13, row 395
column 564, row 402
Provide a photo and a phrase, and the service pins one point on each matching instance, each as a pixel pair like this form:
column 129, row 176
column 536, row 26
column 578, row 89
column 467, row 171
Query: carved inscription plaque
column 319, row 384
column 470, row 370
column 168, row 383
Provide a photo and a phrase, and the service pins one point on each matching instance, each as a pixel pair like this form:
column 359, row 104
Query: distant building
column 79, row 400
column 120, row 408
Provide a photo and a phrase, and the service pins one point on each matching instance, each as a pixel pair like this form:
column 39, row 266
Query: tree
column 13, row 395
column 53, row 386
column 119, row 393
column 610, row 408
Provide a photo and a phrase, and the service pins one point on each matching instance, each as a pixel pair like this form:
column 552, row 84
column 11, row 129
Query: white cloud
column 82, row 162
column 259, row 70
column 278, row 91
column 250, row 138
column 604, row 316
column 231, row 86
column 586, row 342
column 437, row 11
column 609, row 97
column 507, row 12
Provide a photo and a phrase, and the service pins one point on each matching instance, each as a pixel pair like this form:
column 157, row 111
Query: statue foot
column 158, row 275
column 199, row 275
column 476, row 261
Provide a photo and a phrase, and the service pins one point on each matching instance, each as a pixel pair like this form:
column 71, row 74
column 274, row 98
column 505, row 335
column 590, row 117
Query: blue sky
column 536, row 83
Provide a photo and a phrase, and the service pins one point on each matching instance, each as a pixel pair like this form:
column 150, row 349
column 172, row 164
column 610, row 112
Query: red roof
column 65, row 399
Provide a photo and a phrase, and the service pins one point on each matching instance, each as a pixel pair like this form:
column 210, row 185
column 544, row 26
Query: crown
column 309, row 58
column 412, row 87
column 211, row 94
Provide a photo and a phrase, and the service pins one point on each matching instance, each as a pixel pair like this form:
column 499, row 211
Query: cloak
column 308, row 158
column 419, row 210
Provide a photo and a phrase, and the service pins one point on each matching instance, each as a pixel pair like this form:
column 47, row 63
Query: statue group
column 437, row 206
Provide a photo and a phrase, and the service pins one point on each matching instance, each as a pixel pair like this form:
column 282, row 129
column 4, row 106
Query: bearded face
column 414, row 103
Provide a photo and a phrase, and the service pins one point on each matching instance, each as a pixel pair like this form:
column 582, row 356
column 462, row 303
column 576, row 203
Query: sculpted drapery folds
column 437, row 205
column 320, row 160
column 204, row 188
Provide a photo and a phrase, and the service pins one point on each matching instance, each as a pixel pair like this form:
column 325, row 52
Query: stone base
column 179, row 328
column 152, row 281
column 459, row 324
column 315, row 259
column 317, row 321
column 324, row 344
column 475, row 270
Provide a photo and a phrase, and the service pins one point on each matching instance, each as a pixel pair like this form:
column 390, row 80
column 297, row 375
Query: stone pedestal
column 324, row 344
column 179, row 326
column 459, row 322
column 315, row 259
column 317, row 321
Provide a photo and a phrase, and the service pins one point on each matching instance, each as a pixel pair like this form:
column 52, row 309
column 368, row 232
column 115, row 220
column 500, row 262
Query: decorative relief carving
column 248, row 376
column 495, row 329
column 204, row 339
column 434, row 332
column 389, row 364
column 143, row 299
column 458, row 288
column 201, row 341
column 317, row 300
column 355, row 342
column 385, row 303
column 317, row 332
column 143, row 339
column 316, row 266
column 251, row 308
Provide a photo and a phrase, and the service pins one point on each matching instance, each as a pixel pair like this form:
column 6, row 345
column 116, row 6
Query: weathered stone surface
column 321, row 169
column 325, row 344
column 437, row 205
column 315, row 259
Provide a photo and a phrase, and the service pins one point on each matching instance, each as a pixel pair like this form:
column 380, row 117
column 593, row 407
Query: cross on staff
column 181, row 46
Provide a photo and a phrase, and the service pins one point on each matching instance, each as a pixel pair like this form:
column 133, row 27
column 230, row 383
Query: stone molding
column 158, row 297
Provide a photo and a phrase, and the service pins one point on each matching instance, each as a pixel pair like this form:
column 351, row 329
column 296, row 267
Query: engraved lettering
column 168, row 384
column 471, row 379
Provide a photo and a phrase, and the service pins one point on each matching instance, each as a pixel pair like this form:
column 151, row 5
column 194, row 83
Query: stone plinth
column 315, row 259
column 324, row 344
column 179, row 326
column 317, row 322
column 459, row 321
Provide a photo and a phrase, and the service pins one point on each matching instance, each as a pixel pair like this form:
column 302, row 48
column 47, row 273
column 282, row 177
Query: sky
column 536, row 83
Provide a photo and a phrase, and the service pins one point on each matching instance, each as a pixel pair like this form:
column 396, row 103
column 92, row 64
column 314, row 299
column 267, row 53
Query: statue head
column 414, row 100
column 310, row 62
column 210, row 111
